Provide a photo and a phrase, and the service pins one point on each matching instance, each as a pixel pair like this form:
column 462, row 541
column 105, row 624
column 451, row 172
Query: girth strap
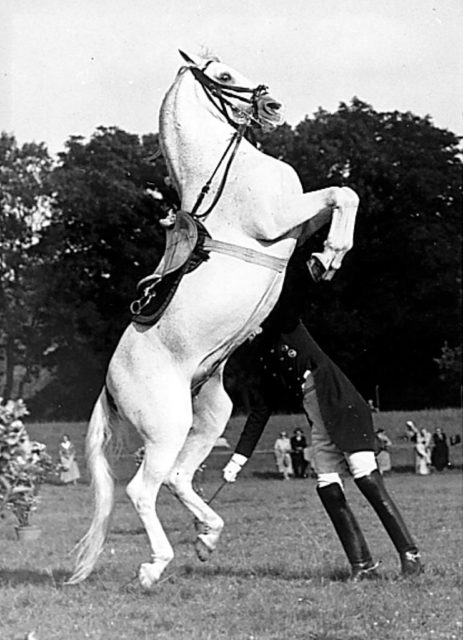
column 246, row 254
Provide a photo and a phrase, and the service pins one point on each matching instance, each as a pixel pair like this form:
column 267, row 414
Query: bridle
column 219, row 94
column 222, row 92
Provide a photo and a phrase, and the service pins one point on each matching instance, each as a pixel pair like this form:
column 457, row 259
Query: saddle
column 188, row 244
column 181, row 240
column 183, row 253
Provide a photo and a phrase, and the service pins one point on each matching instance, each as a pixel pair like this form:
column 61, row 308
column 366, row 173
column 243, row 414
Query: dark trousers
column 299, row 464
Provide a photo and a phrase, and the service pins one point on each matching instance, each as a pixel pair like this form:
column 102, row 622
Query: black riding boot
column 372, row 487
column 348, row 530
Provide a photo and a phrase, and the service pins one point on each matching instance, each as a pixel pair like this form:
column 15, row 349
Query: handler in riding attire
column 343, row 438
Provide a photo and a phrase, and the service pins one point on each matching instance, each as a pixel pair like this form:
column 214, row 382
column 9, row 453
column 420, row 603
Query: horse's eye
column 225, row 77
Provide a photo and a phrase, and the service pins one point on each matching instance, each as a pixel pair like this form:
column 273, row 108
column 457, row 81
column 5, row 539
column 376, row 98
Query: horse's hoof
column 208, row 537
column 202, row 551
column 316, row 268
column 148, row 575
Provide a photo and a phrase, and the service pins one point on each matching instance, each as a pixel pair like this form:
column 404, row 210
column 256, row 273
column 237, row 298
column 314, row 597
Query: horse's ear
column 186, row 57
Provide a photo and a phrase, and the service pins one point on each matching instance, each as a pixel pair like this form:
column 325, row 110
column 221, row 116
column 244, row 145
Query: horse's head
column 233, row 96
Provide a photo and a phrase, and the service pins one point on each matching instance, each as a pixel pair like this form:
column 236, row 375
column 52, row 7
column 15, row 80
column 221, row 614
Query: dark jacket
column 298, row 444
column 283, row 362
column 285, row 351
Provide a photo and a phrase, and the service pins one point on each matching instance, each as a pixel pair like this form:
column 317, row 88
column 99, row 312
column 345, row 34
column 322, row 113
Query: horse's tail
column 102, row 482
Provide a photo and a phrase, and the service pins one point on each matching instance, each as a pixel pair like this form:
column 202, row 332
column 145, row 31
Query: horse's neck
column 193, row 139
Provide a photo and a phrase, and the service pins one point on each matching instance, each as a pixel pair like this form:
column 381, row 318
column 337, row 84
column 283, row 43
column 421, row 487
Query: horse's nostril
column 274, row 106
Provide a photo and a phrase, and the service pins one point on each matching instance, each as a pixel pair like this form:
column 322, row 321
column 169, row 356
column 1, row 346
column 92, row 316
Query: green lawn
column 279, row 573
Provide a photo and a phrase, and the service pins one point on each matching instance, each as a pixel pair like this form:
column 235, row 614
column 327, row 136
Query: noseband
column 222, row 92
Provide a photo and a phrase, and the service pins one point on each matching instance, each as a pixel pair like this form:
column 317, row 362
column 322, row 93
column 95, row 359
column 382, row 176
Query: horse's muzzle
column 269, row 111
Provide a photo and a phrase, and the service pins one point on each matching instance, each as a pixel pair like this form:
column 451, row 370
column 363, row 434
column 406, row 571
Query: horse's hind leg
column 163, row 441
column 211, row 412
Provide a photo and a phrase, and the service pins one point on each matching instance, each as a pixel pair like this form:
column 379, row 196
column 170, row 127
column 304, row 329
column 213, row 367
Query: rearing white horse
column 256, row 211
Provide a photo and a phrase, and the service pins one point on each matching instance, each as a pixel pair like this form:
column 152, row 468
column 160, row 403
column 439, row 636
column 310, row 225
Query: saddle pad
column 156, row 291
column 180, row 243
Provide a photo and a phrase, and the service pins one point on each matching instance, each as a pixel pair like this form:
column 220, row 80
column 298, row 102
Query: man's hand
column 233, row 467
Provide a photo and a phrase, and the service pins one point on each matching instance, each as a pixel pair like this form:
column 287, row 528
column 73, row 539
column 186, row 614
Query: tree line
column 77, row 234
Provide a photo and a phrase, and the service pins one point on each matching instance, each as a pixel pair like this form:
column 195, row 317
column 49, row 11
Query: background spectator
column 421, row 439
column 440, row 450
column 282, row 449
column 69, row 469
column 383, row 457
column 298, row 445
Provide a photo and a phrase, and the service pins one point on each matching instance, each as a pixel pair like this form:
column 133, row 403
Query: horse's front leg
column 308, row 212
column 324, row 265
column 211, row 412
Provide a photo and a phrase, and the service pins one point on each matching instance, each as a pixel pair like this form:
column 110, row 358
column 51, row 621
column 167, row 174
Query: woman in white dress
column 67, row 459
column 421, row 439
column 282, row 449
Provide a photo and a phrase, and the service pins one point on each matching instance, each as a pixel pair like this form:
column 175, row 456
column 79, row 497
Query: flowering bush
column 24, row 465
column 139, row 455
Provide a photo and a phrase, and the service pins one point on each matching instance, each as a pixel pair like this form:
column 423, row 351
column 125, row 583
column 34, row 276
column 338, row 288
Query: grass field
column 279, row 572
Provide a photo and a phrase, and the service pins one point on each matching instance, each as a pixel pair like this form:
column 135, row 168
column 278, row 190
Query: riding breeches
column 327, row 458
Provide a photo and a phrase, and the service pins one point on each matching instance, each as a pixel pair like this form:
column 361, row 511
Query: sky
column 69, row 66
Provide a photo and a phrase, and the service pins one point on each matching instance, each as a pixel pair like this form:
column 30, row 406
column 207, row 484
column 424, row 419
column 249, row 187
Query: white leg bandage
column 361, row 463
column 324, row 479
